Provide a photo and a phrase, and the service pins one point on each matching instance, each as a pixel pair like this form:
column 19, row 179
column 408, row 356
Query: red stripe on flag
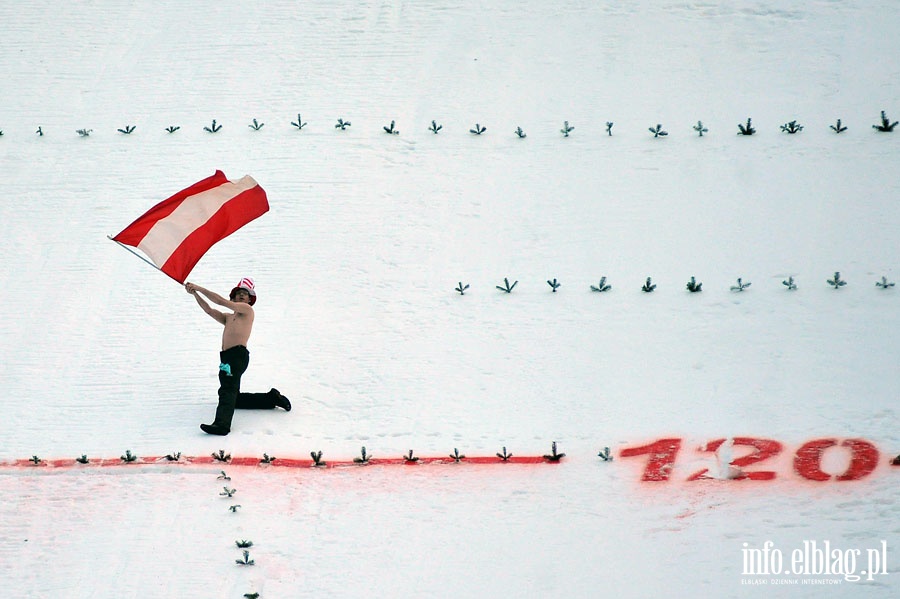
column 233, row 215
column 136, row 231
column 178, row 231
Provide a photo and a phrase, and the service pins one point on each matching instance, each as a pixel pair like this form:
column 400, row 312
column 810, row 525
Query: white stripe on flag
column 168, row 233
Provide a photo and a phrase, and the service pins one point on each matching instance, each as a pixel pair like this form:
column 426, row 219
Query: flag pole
column 122, row 245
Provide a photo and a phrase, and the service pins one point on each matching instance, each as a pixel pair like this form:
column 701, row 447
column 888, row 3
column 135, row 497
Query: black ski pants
column 234, row 362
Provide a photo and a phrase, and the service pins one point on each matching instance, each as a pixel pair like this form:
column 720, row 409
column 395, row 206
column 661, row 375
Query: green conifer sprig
column 506, row 286
column 601, row 286
column 837, row 282
column 837, row 127
column 553, row 456
column 886, row 125
column 792, row 127
column 746, row 129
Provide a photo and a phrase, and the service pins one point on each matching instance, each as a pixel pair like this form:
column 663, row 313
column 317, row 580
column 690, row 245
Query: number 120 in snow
column 861, row 459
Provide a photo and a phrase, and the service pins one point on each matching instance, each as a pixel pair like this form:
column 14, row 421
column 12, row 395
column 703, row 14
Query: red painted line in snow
column 275, row 463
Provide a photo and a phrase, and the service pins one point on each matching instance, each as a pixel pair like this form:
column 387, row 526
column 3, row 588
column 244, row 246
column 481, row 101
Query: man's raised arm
column 196, row 290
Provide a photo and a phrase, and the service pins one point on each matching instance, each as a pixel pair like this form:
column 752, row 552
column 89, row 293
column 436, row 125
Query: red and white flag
column 178, row 231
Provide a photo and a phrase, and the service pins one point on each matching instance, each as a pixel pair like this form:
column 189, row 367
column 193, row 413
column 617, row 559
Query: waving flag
column 178, row 231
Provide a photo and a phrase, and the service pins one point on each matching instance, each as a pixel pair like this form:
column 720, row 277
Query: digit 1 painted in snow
column 662, row 458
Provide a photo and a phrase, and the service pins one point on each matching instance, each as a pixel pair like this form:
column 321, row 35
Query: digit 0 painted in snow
column 862, row 459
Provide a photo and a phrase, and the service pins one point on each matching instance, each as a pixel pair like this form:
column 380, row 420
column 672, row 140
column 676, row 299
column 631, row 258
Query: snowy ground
column 359, row 324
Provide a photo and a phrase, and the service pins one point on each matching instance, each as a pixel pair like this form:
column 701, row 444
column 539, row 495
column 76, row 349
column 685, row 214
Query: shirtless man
column 234, row 357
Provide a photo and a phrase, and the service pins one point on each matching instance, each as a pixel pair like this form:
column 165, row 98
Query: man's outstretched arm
column 196, row 290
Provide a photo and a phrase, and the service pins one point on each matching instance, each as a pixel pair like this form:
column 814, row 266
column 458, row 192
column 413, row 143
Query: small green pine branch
column 234, row 508
column 410, row 458
column 740, row 285
column 837, row 127
column 83, row 459
column 223, row 476
column 605, row 455
column 658, row 131
column 363, row 458
column 648, row 286
column 609, row 126
column 221, row 456
column 127, row 129
column 699, row 128
column 391, row 130
column 746, row 129
column 435, row 127
column 566, row 129
column 790, row 284
column 457, row 456
column 213, row 128
column 553, row 456
column 128, row 457
column 172, row 128
column 693, row 286
column 506, row 286
column 478, row 130
column 244, row 544
column 174, row 456
column 462, row 288
column 601, row 286
column 504, row 456
column 226, row 492
column 84, row 132
column 317, row 458
column 40, row 132
column 886, row 125
column 837, row 282
column 267, row 459
column 554, row 285
column 884, row 284
column 255, row 125
column 35, row 460
column 792, row 127
column 246, row 561
column 520, row 133
column 299, row 124
column 342, row 124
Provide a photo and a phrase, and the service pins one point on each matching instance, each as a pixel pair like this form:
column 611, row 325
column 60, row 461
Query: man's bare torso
column 237, row 329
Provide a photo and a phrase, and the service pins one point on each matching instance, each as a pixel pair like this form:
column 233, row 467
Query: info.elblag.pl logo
column 813, row 562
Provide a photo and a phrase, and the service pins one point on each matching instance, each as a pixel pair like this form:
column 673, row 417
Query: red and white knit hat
column 247, row 285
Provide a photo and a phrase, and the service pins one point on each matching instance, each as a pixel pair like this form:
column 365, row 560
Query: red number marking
column 662, row 458
column 763, row 449
column 863, row 459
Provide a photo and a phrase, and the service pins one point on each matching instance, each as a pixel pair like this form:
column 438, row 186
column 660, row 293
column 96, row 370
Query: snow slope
column 359, row 324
